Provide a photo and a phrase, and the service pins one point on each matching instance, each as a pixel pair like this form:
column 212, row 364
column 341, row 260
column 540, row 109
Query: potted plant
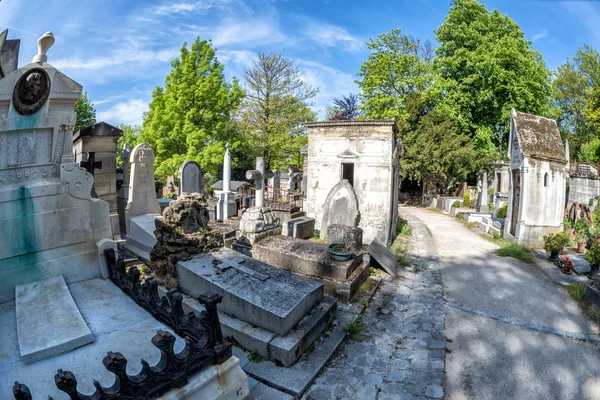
column 340, row 251
column 554, row 243
column 581, row 231
column 593, row 256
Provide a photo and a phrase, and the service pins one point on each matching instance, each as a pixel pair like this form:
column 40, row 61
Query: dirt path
column 514, row 334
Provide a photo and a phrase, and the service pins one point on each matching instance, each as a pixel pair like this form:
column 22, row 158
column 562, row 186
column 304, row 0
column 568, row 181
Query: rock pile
column 181, row 233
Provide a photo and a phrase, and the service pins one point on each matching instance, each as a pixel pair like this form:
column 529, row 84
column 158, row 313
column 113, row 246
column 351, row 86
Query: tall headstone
column 51, row 225
column 482, row 207
column 123, row 193
column 9, row 54
column 259, row 175
column 226, row 205
column 291, row 185
column 190, row 177
column 340, row 208
column 275, row 180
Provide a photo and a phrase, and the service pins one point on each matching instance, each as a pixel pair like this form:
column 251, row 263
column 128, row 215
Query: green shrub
column 354, row 329
column 502, row 211
column 456, row 204
column 467, row 199
column 556, row 241
column 515, row 251
column 256, row 357
column 593, row 255
column 172, row 196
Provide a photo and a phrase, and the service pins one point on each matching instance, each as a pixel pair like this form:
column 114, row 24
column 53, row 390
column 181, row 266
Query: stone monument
column 226, row 205
column 123, row 193
column 9, row 54
column 190, row 177
column 482, row 205
column 142, row 206
column 51, row 225
column 340, row 208
column 95, row 149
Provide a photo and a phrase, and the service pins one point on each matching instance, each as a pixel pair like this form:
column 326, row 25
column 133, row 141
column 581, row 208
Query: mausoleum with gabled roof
column 537, row 185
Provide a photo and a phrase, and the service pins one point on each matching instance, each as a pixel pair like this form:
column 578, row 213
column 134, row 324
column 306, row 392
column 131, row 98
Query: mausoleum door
column 348, row 172
column 516, row 200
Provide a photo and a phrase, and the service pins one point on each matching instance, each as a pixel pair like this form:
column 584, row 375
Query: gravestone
column 142, row 206
column 340, row 208
column 123, row 193
column 226, row 205
column 482, row 205
column 9, row 54
column 51, row 225
column 190, row 177
column 383, row 257
column 349, row 235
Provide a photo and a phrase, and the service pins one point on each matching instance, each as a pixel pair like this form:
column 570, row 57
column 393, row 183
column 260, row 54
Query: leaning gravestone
column 341, row 207
column 383, row 257
column 190, row 177
column 142, row 207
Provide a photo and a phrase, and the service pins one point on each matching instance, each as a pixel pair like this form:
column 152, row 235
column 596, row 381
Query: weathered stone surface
column 276, row 303
column 341, row 207
column 383, row 257
column 301, row 227
column 580, row 264
column 142, row 192
column 48, row 321
column 190, row 177
column 475, row 217
column 257, row 223
column 181, row 233
column 349, row 235
column 304, row 257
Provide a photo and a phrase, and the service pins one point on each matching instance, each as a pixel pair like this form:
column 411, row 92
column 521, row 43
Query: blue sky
column 119, row 50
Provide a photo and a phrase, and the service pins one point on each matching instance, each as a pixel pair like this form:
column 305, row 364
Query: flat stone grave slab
column 48, row 320
column 304, row 257
column 383, row 257
column 580, row 264
column 255, row 292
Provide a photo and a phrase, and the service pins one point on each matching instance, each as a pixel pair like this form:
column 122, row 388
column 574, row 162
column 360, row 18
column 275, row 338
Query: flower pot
column 554, row 255
column 581, row 247
column 337, row 255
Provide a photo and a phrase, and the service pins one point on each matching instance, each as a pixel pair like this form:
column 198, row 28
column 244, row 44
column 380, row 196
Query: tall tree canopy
column 190, row 118
column 485, row 66
column 86, row 114
column 577, row 109
column 131, row 136
column 346, row 108
column 397, row 66
column 275, row 107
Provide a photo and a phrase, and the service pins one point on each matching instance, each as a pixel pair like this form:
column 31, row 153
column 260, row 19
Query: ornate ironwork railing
column 276, row 199
column 204, row 343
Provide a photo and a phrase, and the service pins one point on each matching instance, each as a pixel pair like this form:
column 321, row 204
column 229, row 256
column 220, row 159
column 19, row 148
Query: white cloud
column 539, row 36
column 122, row 56
column 587, row 12
column 128, row 112
column 178, row 8
column 327, row 35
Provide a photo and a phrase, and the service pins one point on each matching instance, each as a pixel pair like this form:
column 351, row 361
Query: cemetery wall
column 369, row 146
column 583, row 189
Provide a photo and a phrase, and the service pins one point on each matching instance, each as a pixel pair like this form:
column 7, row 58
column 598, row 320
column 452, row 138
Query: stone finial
column 44, row 43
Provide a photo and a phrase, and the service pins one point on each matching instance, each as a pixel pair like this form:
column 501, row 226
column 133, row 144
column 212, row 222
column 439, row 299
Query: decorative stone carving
column 32, row 91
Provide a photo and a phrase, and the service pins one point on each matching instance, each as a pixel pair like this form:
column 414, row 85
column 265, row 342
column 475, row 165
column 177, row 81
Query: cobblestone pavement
column 402, row 355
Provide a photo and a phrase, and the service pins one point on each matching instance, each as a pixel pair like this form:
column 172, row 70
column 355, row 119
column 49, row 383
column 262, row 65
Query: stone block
column 497, row 225
column 141, row 231
column 592, row 294
column 48, row 320
column 348, row 235
column 383, row 257
column 580, row 264
column 487, row 220
column 456, row 211
column 494, row 231
column 302, row 227
column 285, row 217
column 484, row 227
column 303, row 257
column 475, row 217
column 345, row 290
column 253, row 291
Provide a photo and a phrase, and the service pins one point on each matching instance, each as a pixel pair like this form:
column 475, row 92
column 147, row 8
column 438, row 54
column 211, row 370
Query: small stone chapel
column 537, row 180
column 352, row 176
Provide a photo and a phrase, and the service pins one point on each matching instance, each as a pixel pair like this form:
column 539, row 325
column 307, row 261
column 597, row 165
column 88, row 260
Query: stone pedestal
column 226, row 206
column 101, row 139
column 349, row 235
column 256, row 223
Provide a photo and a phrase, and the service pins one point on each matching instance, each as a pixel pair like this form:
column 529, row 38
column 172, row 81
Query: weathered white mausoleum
column 537, row 187
column 364, row 153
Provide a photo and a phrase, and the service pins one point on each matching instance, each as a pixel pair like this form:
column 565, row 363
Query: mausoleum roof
column 99, row 129
column 363, row 122
column 538, row 136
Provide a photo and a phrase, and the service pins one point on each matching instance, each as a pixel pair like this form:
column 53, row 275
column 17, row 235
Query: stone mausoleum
column 364, row 153
column 538, row 173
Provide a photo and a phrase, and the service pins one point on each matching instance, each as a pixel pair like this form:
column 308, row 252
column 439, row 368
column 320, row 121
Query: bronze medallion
column 32, row 91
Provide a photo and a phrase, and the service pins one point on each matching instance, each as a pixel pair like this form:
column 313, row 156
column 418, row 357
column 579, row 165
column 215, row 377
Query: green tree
column 131, row 135
column 590, row 151
column 274, row 109
column 346, row 108
column 86, row 114
column 576, row 98
column 190, row 118
column 397, row 66
column 485, row 66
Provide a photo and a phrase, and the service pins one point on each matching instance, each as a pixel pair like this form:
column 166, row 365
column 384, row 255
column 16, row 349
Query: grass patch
column 365, row 288
column 402, row 227
column 514, row 251
column 401, row 258
column 354, row 329
column 255, row 357
column 577, row 292
column 496, row 239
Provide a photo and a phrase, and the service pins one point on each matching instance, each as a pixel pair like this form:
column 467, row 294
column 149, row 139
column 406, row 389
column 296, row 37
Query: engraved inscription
column 26, row 147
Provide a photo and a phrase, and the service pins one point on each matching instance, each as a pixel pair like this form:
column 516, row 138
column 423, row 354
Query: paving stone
column 396, row 376
column 400, row 364
column 374, row 379
column 435, row 391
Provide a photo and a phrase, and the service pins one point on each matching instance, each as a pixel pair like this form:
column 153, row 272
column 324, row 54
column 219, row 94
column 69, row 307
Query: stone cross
column 91, row 164
column 125, row 153
column 258, row 176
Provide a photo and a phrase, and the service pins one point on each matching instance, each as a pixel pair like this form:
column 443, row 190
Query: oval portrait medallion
column 32, row 91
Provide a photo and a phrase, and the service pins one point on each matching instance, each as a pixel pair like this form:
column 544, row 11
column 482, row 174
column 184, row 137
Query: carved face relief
column 31, row 91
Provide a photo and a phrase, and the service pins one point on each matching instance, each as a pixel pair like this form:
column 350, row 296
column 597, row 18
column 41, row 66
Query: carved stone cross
column 91, row 164
column 259, row 175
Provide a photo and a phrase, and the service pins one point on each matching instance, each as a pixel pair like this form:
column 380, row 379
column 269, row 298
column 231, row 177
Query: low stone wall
column 583, row 189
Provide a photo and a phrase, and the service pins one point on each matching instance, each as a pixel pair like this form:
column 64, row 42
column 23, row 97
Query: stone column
column 260, row 182
column 226, row 205
column 227, row 170
column 290, row 179
column 482, row 207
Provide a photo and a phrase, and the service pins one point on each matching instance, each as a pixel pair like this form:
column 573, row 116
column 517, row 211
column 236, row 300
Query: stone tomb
column 341, row 279
column 341, row 207
column 190, row 177
column 142, row 207
column 276, row 312
column 383, row 257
